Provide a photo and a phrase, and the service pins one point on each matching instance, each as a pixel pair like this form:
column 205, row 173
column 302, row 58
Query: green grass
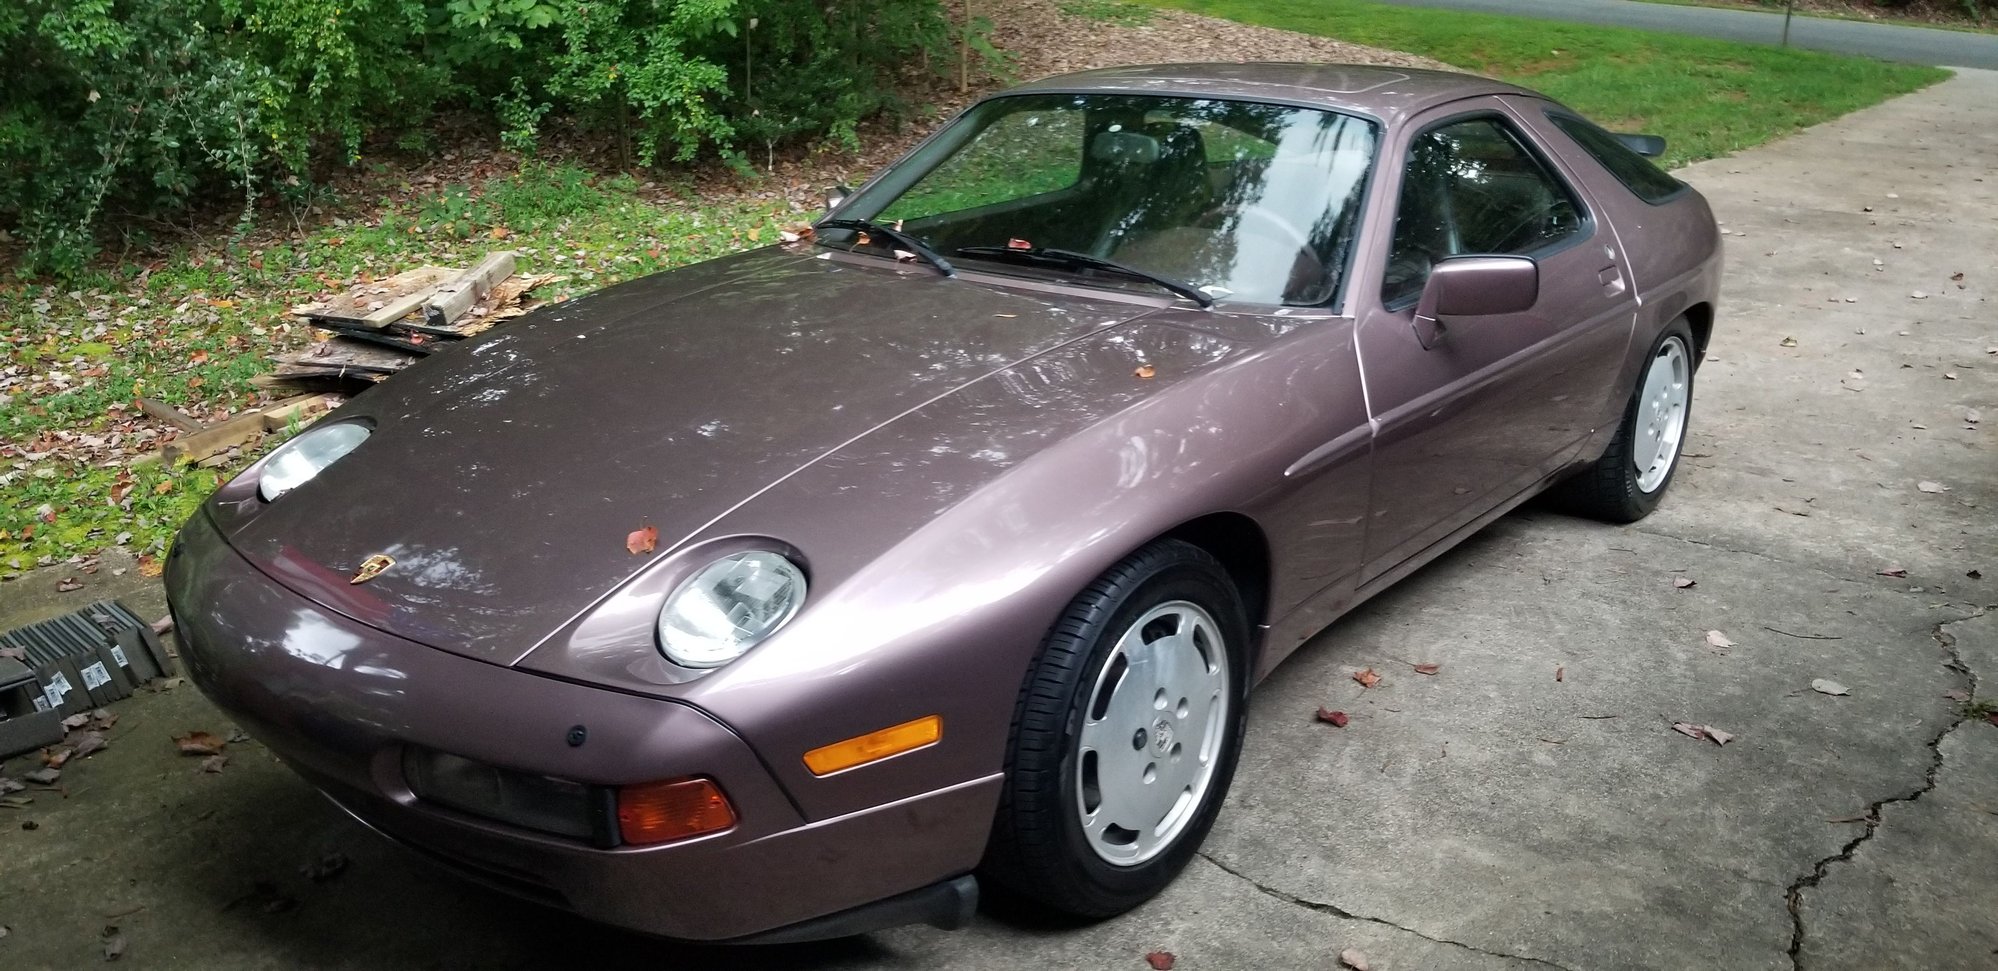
column 193, row 328
column 1707, row 97
column 1873, row 15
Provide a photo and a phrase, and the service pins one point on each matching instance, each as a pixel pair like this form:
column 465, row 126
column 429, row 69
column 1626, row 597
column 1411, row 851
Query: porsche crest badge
column 371, row 568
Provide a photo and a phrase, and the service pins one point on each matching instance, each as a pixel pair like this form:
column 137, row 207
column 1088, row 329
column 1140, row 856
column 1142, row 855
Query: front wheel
column 1125, row 737
column 1626, row 484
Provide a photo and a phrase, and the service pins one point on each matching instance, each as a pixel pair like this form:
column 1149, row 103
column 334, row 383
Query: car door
column 1498, row 402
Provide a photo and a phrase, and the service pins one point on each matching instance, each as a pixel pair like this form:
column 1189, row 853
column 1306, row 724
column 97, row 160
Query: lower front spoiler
column 946, row 905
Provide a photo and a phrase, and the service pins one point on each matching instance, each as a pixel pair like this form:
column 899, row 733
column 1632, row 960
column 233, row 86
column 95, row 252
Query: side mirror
column 1474, row 286
column 836, row 194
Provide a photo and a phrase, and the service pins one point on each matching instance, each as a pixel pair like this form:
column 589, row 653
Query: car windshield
column 1244, row 201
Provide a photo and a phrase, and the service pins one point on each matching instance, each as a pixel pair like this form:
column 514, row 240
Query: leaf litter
column 1706, row 732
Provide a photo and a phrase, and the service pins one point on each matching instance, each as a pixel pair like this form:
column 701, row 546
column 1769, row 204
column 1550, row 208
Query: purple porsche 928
column 979, row 511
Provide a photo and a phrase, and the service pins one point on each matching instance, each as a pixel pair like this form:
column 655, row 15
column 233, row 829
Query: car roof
column 1387, row 93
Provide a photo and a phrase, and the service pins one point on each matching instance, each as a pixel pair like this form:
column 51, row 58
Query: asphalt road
column 1528, row 807
column 1892, row 42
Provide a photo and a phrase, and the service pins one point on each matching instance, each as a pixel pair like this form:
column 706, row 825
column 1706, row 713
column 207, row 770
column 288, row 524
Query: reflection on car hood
column 504, row 475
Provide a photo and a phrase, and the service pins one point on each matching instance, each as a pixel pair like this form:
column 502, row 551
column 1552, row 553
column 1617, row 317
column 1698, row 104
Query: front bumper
column 339, row 702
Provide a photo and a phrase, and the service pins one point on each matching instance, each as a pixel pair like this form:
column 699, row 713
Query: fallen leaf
column 10, row 786
column 150, row 566
column 755, row 233
column 1337, row 719
column 1689, row 730
column 88, row 743
column 1145, row 372
column 1787, row 342
column 1824, row 687
column 796, row 233
column 1560, row 674
column 114, row 944
column 1684, row 583
column 165, row 486
column 1956, row 278
column 1354, row 958
column 1918, row 295
column 1974, row 574
column 68, row 585
column 1366, row 677
column 42, row 777
column 325, row 868
column 77, row 720
column 1719, row 737
column 1429, row 668
column 1949, row 375
column 644, row 539
column 1892, row 571
column 199, row 743
column 1718, row 640
column 1160, row 960
column 56, row 758
column 214, row 763
column 1931, row 487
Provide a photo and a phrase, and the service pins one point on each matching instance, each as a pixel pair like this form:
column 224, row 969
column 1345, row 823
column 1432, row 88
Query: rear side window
column 1636, row 172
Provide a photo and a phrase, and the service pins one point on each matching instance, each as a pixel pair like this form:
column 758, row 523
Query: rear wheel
column 1125, row 737
column 1626, row 484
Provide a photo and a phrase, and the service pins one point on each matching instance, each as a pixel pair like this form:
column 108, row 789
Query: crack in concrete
column 1794, row 897
column 1755, row 553
column 1325, row 908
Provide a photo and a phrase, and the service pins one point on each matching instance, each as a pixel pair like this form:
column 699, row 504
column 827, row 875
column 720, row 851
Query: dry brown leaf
column 199, row 743
column 1787, row 342
column 1827, row 687
column 1354, row 958
column 1146, row 372
column 88, row 744
column 1366, row 677
column 150, row 566
column 1337, row 719
column 796, row 233
column 1560, row 674
column 644, row 539
column 1160, row 960
column 68, row 585
column 1684, row 583
column 1892, row 571
column 1427, row 668
column 1718, row 640
column 214, row 763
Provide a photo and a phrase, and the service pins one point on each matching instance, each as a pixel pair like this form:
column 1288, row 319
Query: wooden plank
column 350, row 354
column 169, row 414
column 376, row 305
column 417, row 344
column 457, row 295
column 216, row 439
column 302, row 409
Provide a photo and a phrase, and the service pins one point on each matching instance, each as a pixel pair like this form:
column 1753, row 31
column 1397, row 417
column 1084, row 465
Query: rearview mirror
column 1649, row 146
column 1474, row 286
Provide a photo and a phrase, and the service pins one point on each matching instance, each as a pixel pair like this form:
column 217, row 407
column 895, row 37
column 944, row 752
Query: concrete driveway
column 1889, row 42
column 1527, row 806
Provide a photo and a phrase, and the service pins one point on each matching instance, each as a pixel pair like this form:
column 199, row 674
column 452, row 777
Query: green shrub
column 114, row 113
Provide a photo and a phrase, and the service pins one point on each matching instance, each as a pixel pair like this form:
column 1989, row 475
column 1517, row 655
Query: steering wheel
column 1260, row 221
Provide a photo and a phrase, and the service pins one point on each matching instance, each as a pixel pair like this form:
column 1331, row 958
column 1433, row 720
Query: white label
column 118, row 655
column 94, row 676
column 59, row 686
column 51, row 697
column 42, row 702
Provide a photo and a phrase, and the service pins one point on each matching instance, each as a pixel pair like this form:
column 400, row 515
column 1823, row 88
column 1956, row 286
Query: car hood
column 504, row 475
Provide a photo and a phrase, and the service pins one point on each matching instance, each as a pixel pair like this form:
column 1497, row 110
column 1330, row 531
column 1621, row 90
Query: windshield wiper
column 1049, row 256
column 906, row 241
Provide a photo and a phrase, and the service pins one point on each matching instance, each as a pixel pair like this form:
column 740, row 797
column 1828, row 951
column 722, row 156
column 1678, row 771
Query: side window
column 1022, row 154
column 1636, row 172
column 1472, row 187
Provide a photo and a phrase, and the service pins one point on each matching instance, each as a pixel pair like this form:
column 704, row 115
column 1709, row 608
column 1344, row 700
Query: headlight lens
column 297, row 461
column 729, row 606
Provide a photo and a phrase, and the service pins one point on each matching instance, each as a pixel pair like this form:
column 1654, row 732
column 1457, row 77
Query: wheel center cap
column 1161, row 737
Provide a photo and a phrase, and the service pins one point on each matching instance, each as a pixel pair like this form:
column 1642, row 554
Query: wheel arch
column 1239, row 542
column 1700, row 316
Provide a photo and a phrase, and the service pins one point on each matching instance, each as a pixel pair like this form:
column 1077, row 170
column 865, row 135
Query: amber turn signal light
column 657, row 812
column 875, row 746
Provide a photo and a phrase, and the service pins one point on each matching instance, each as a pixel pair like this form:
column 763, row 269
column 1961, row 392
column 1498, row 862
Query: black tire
column 1038, row 848
column 1608, row 488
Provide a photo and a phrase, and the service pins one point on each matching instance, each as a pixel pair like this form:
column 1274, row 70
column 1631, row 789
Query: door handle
column 1611, row 277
